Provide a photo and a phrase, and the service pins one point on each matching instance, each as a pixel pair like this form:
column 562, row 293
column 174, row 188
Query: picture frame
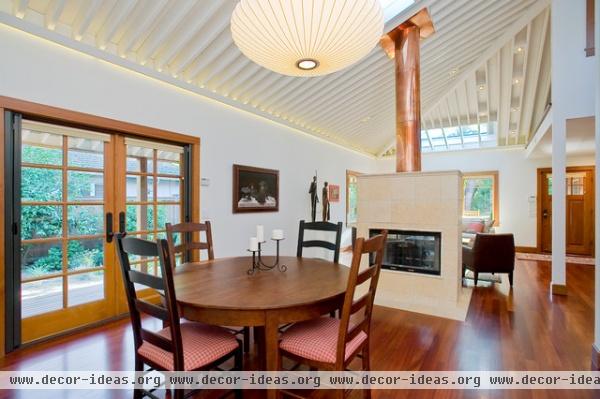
column 255, row 189
column 334, row 193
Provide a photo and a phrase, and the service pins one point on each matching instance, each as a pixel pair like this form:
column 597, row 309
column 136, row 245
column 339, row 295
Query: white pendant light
column 306, row 37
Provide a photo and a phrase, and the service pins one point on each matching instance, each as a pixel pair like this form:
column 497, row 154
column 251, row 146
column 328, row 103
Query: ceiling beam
column 53, row 12
column 536, row 52
column 84, row 17
column 187, row 29
column 19, row 8
column 524, row 81
column 140, row 26
column 216, row 27
column 119, row 13
column 162, row 31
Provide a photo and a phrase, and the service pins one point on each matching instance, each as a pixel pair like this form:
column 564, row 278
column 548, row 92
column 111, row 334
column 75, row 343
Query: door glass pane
column 140, row 188
column 41, row 258
column 41, row 185
column 168, row 168
column 41, row 148
column 85, row 186
column 168, row 189
column 139, row 218
column 41, row 221
column 85, row 220
column 168, row 214
column 41, row 296
column 85, row 254
column 86, row 153
column 85, row 287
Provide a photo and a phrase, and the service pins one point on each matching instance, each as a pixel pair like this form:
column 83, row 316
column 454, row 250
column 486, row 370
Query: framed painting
column 334, row 193
column 255, row 189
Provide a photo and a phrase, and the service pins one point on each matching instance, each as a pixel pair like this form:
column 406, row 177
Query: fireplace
column 411, row 251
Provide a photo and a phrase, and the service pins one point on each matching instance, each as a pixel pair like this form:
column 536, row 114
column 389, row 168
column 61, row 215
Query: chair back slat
column 151, row 309
column 365, row 275
column 356, row 329
column 147, row 280
column 190, row 236
column 360, row 303
column 131, row 246
column 320, row 244
column 190, row 246
column 320, row 226
column 370, row 274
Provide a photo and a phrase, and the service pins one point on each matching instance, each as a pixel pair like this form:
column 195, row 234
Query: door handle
column 122, row 225
column 545, row 213
column 109, row 227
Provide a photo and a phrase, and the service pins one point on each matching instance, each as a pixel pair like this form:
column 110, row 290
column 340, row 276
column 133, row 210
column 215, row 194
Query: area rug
column 548, row 258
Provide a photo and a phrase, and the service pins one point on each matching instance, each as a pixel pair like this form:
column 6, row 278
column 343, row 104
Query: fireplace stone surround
column 426, row 202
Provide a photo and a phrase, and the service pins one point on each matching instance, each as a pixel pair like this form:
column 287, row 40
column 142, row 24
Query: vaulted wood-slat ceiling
column 468, row 67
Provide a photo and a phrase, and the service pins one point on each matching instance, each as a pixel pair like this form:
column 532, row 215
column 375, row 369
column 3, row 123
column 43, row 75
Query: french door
column 72, row 190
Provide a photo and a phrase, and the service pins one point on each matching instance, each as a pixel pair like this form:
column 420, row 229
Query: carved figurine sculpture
column 314, row 198
column 325, row 197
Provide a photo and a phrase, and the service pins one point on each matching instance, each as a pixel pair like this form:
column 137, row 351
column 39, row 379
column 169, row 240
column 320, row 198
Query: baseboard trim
column 527, row 250
column 595, row 358
column 558, row 289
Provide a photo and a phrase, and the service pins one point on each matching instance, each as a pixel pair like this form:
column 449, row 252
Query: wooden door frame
column 540, row 173
column 51, row 114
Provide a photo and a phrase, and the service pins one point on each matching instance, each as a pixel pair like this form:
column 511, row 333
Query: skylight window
column 391, row 8
column 454, row 138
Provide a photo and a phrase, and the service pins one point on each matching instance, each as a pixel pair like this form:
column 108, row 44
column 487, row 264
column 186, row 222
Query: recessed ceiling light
column 516, row 81
column 365, row 119
column 454, row 71
column 307, row 64
column 514, row 132
column 519, row 49
column 481, row 87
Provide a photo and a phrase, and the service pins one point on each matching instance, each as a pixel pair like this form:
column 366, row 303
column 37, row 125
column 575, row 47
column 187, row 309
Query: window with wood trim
column 480, row 196
column 351, row 197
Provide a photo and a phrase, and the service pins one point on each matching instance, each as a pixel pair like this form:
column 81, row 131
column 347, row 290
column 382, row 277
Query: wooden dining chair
column 186, row 245
column 331, row 344
column 320, row 226
column 180, row 346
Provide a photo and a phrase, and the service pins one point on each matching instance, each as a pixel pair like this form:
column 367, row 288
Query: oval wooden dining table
column 221, row 292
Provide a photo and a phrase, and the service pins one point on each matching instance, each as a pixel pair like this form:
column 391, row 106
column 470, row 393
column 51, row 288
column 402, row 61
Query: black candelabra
column 258, row 264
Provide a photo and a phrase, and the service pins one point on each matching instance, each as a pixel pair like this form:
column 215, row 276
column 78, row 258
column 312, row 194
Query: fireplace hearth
column 412, row 251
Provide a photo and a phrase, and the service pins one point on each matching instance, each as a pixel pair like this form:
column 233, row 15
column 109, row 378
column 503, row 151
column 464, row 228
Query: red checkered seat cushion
column 317, row 340
column 202, row 345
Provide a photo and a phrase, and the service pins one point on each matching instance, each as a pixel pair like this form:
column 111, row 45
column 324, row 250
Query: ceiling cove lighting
column 306, row 37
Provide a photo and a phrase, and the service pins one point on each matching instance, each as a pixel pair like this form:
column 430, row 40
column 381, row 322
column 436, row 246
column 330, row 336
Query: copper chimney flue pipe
column 408, row 100
column 403, row 45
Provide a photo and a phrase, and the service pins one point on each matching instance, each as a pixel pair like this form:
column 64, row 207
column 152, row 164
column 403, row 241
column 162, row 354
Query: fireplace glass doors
column 412, row 251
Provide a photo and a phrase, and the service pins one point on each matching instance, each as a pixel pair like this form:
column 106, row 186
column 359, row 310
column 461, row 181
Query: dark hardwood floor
column 525, row 328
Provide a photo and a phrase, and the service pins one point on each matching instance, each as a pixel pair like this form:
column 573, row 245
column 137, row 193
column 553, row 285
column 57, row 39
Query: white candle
column 277, row 234
column 253, row 244
column 260, row 233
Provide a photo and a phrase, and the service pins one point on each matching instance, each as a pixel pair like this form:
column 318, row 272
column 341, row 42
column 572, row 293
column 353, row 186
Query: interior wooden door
column 579, row 211
column 546, row 210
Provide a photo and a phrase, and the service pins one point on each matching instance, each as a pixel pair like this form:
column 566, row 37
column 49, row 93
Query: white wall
column 517, row 182
column 573, row 74
column 36, row 70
